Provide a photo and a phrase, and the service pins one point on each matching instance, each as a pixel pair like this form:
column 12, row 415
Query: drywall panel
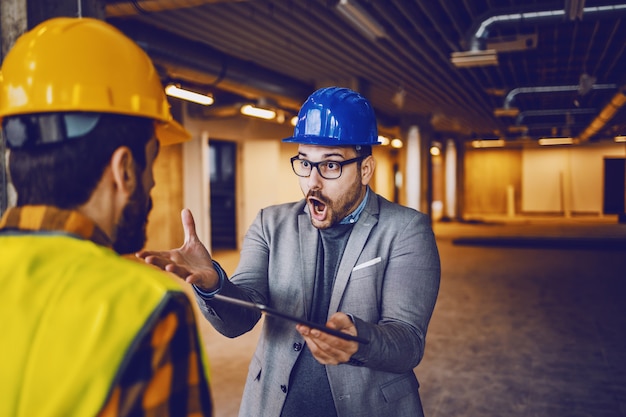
column 544, row 173
column 488, row 175
column 565, row 180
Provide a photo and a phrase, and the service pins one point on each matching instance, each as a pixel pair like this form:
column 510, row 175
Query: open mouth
column 317, row 208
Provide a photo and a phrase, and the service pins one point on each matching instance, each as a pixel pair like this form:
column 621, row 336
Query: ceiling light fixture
column 556, row 141
column 474, row 58
column 620, row 138
column 396, row 143
column 506, row 112
column 184, row 94
column 383, row 140
column 498, row 92
column 360, row 19
column 260, row 112
column 488, row 143
column 518, row 129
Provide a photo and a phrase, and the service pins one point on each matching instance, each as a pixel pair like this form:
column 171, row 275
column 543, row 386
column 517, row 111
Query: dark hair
column 362, row 151
column 64, row 174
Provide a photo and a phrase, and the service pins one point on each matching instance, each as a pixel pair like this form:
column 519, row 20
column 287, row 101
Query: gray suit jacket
column 388, row 281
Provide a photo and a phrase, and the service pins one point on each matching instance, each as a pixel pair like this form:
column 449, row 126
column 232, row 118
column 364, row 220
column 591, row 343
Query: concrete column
column 13, row 15
column 413, row 177
column 510, row 200
column 450, row 179
column 13, row 22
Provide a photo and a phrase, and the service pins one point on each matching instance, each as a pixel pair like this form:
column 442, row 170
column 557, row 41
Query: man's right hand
column 191, row 262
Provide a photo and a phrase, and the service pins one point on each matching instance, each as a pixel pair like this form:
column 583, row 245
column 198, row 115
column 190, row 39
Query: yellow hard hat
column 84, row 65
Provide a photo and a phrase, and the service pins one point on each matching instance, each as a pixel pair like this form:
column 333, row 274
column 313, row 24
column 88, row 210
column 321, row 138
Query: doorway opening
column 222, row 169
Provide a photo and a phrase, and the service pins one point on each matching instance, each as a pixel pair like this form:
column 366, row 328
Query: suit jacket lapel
column 308, row 241
column 354, row 247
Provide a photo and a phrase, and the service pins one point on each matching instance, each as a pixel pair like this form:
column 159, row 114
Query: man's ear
column 367, row 169
column 123, row 170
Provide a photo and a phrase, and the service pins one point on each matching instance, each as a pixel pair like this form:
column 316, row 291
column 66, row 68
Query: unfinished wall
column 488, row 175
column 565, row 180
column 164, row 227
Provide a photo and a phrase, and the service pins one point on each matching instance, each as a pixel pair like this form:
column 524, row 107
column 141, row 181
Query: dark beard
column 131, row 229
column 339, row 209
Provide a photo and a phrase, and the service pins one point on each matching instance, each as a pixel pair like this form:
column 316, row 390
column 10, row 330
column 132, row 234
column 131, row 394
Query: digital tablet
column 275, row 313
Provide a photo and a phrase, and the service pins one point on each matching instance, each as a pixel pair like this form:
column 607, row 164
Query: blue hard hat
column 335, row 116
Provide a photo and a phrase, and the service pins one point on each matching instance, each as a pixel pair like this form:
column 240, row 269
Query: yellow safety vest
column 70, row 311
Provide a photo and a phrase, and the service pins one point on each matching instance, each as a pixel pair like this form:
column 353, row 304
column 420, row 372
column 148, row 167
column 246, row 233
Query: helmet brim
column 326, row 141
column 171, row 132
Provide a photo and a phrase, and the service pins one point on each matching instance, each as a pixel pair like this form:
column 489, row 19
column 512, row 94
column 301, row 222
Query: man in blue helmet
column 343, row 256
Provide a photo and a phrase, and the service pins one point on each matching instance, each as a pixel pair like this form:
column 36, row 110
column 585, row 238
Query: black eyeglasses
column 330, row 170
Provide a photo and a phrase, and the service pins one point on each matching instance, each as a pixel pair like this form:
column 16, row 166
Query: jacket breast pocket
column 366, row 268
column 362, row 296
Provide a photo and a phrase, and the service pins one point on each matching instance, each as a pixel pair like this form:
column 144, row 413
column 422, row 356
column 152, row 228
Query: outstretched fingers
column 191, row 261
column 189, row 226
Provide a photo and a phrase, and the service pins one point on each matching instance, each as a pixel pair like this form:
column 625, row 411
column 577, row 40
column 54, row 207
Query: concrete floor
column 535, row 328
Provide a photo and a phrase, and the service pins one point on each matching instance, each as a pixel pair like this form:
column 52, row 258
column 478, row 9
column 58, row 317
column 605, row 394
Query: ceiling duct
column 549, row 89
column 551, row 112
column 478, row 35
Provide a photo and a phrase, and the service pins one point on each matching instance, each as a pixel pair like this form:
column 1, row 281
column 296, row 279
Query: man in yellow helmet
column 84, row 331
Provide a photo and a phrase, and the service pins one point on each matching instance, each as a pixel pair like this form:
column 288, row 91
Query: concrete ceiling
column 560, row 68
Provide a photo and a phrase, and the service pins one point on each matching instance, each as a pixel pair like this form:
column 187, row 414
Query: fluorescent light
column 178, row 92
column 506, row 112
column 498, row 92
column 620, row 138
column 556, row 141
column 518, row 129
column 474, row 58
column 488, row 143
column 250, row 110
column 360, row 19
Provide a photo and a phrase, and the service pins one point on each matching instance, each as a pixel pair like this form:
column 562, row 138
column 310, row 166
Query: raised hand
column 191, row 262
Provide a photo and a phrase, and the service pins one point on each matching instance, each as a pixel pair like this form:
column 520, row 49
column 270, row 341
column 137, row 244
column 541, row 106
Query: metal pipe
column 549, row 89
column 551, row 112
column 480, row 30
